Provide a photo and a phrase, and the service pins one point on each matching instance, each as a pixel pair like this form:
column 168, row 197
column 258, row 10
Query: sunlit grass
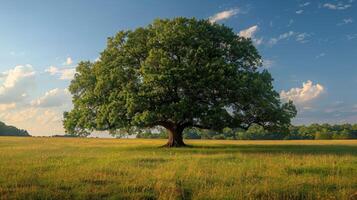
column 71, row 168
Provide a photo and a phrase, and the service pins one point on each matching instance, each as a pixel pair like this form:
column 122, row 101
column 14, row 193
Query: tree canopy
column 175, row 73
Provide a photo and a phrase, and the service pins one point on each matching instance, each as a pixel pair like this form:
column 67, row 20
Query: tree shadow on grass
column 256, row 148
column 279, row 149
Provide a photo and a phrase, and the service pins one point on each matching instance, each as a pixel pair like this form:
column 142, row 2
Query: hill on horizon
column 6, row 130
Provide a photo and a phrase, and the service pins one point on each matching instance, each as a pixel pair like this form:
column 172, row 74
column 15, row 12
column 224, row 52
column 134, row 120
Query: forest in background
column 256, row 132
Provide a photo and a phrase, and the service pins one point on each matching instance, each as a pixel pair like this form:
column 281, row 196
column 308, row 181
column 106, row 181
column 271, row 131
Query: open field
column 66, row 168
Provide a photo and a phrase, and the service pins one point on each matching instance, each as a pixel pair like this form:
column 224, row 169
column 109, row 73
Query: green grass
column 67, row 168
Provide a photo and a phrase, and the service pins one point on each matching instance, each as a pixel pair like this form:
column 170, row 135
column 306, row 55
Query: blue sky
column 310, row 47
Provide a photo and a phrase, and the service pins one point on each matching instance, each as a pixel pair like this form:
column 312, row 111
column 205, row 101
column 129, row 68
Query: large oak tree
column 175, row 73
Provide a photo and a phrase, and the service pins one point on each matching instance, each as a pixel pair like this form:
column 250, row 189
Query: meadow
column 90, row 168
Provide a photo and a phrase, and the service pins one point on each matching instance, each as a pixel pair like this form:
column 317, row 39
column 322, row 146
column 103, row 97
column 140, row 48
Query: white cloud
column 4, row 107
column 69, row 61
column 299, row 12
column 305, row 4
column 339, row 6
column 19, row 115
column 67, row 74
column 301, row 37
column 48, row 116
column 41, row 116
column 52, row 70
column 306, row 93
column 283, row 36
column 15, row 83
column 64, row 73
column 249, row 32
column 224, row 15
column 38, row 121
column 53, row 98
column 346, row 21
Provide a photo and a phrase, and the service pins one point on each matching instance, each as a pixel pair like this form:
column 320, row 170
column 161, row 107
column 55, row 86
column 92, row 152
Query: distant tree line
column 256, row 132
column 6, row 130
column 65, row 136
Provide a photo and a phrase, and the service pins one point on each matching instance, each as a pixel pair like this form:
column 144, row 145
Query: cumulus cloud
column 4, row 107
column 224, row 15
column 63, row 73
column 15, row 83
column 38, row 121
column 283, row 36
column 49, row 116
column 53, row 98
column 41, row 116
column 339, row 6
column 19, row 115
column 306, row 93
column 67, row 74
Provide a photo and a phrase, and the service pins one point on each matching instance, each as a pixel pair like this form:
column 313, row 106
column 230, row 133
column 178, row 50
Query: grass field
column 66, row 168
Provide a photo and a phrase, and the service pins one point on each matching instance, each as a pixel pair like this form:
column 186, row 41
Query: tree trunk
column 175, row 137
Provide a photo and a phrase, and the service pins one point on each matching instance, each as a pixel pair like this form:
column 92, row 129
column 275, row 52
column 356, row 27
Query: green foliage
column 324, row 131
column 178, row 74
column 152, row 135
column 11, row 131
column 323, row 136
column 257, row 132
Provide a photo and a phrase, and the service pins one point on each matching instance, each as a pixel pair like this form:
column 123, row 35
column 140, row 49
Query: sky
column 309, row 47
